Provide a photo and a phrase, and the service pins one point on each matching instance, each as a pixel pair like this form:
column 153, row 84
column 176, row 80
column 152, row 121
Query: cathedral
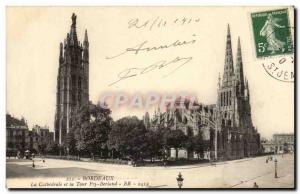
column 226, row 127
column 72, row 81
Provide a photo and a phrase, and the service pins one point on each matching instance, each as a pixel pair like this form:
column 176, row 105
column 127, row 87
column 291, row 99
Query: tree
column 91, row 126
column 53, row 148
column 198, row 144
column 128, row 138
column 42, row 147
column 71, row 143
column 154, row 144
column 175, row 139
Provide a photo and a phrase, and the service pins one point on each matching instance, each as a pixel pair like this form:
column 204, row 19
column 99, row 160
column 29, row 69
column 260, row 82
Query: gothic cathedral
column 226, row 127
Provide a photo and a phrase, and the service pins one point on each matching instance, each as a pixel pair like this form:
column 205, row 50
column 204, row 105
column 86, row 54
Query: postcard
column 174, row 97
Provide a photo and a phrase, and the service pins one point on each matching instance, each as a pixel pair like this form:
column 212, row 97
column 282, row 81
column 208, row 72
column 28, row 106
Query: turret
column 85, row 64
column 73, row 34
column 147, row 120
column 85, row 47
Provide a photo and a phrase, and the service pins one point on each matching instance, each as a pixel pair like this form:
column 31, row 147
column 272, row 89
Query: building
column 33, row 141
column 16, row 138
column 226, row 126
column 72, row 81
column 19, row 138
column 281, row 143
column 44, row 134
column 284, row 138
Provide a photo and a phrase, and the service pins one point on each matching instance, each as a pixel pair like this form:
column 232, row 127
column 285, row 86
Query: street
column 229, row 174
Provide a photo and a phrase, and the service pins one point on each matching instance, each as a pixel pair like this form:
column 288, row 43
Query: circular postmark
column 281, row 69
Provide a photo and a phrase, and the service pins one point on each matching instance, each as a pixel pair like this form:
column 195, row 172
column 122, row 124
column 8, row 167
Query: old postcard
column 150, row 97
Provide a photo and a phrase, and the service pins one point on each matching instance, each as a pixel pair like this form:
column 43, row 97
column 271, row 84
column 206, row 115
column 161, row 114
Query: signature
column 143, row 47
column 137, row 71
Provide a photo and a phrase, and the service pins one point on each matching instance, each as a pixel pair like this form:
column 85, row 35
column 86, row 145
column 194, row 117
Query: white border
column 4, row 3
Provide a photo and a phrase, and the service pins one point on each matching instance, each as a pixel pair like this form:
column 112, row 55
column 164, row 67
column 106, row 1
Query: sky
column 34, row 33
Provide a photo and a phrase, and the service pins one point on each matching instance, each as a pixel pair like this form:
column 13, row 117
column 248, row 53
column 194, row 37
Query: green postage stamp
column 272, row 33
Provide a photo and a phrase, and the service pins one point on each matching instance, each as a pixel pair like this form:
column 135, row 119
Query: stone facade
column 16, row 137
column 72, row 81
column 226, row 126
column 19, row 138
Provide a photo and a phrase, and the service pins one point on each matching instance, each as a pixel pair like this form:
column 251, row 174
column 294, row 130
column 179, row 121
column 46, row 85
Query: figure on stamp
column 268, row 31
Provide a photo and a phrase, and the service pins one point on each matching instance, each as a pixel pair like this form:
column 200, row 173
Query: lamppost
column 179, row 180
column 275, row 161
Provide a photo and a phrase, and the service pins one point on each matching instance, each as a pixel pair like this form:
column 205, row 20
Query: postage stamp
column 272, row 33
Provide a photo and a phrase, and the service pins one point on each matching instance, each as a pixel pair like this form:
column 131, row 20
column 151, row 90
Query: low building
column 44, row 133
column 281, row 143
column 19, row 138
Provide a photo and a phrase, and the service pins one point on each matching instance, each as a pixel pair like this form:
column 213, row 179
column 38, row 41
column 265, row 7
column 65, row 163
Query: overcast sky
column 34, row 34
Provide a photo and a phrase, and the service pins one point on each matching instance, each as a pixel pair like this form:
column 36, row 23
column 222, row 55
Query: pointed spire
column 73, row 34
column 228, row 68
column 86, row 36
column 85, row 41
column 239, row 72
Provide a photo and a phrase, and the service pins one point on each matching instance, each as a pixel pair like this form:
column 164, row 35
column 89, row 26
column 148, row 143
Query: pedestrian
column 255, row 185
column 267, row 160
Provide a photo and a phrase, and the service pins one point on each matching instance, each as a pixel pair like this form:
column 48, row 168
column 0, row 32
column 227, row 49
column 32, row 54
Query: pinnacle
column 86, row 36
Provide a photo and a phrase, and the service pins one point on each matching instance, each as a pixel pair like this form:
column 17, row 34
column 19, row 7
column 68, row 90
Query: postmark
column 272, row 33
column 279, row 69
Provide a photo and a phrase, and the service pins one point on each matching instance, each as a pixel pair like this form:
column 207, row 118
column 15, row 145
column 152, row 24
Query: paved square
column 230, row 174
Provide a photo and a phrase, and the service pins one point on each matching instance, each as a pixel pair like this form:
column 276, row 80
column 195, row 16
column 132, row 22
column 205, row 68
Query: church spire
column 239, row 69
column 73, row 34
column 228, row 68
